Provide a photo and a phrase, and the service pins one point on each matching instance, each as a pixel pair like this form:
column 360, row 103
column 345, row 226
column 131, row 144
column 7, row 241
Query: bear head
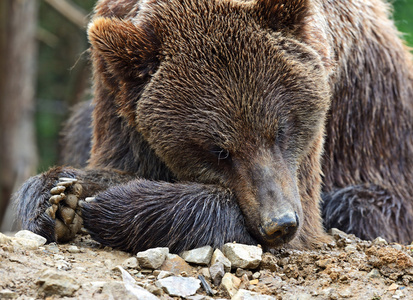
column 225, row 92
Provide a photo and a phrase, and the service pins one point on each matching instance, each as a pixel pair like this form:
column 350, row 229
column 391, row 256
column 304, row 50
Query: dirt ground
column 348, row 268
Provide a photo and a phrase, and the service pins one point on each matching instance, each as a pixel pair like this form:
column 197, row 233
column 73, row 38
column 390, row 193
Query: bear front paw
column 65, row 209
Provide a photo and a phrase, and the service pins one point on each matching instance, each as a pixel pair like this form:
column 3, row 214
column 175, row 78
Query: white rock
column 18, row 242
column 130, row 263
column 217, row 272
column 26, row 234
column 200, row 256
column 73, row 249
column 24, row 243
column 379, row 241
column 398, row 294
column 132, row 288
column 152, row 258
column 179, row 286
column 248, row 295
column 243, row 256
column 230, row 284
column 120, row 290
column 164, row 274
column 218, row 256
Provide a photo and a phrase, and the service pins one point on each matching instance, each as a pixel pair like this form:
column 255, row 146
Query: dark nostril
column 282, row 228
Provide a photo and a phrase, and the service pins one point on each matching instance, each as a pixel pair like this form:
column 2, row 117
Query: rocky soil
column 347, row 268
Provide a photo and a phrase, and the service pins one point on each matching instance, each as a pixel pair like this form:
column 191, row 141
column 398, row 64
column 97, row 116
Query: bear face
column 238, row 106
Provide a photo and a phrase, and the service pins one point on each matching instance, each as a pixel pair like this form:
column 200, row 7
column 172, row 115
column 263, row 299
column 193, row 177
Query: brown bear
column 229, row 120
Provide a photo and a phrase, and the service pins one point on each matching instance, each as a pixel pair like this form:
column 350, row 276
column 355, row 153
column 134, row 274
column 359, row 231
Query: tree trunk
column 18, row 156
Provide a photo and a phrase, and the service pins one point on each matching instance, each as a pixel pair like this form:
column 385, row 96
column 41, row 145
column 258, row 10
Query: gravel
column 365, row 270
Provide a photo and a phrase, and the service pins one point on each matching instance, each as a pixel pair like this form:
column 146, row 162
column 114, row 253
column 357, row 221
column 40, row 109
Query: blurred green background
column 403, row 16
column 63, row 76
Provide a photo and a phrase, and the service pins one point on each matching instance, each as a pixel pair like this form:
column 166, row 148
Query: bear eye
column 220, row 153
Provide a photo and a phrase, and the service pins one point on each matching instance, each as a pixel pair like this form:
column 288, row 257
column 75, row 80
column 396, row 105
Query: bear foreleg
column 368, row 211
column 144, row 214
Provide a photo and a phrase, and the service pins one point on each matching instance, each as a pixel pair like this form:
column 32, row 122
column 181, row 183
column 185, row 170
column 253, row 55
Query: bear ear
column 123, row 49
column 283, row 15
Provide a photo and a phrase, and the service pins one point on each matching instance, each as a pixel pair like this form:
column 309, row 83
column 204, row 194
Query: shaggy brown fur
column 233, row 99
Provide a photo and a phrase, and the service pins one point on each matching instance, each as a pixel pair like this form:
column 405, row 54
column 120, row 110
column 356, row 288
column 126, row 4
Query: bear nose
column 280, row 229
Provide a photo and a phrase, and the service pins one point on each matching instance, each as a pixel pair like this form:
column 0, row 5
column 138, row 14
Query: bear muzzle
column 280, row 229
column 267, row 192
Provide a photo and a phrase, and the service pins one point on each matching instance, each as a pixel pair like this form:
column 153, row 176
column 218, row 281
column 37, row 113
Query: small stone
column 164, row 274
column 57, row 283
column 132, row 288
column 157, row 291
column 73, row 249
column 125, row 291
column 52, row 247
column 248, row 295
column 184, row 274
column 254, row 281
column 397, row 247
column 205, row 272
column 379, row 241
column 217, row 272
column 256, row 275
column 346, row 293
column 241, row 272
column 25, row 243
column 7, row 294
column 350, row 248
column 398, row 294
column 26, row 234
column 243, row 256
column 245, row 283
column 218, row 256
column 393, row 287
column 176, row 264
column 179, row 286
column 323, row 263
column 200, row 256
column 130, row 263
column 58, row 257
column 230, row 284
column 374, row 273
column 337, row 233
column 152, row 258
